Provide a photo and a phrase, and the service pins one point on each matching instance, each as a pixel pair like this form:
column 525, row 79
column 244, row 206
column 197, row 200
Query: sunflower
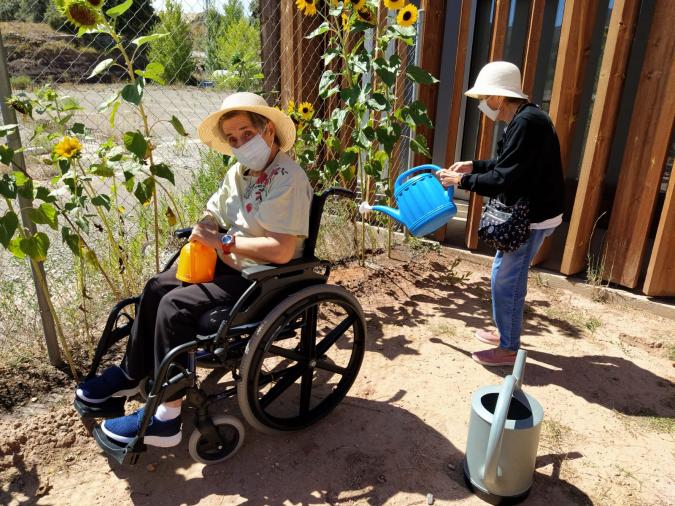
column 68, row 147
column 345, row 21
column 366, row 15
column 306, row 110
column 81, row 13
column 394, row 4
column 407, row 16
column 307, row 7
column 290, row 108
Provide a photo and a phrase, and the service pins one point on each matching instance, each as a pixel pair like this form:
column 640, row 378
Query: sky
column 195, row 5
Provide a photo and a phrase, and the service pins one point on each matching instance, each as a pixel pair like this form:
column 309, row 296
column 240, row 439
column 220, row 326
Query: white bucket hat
column 211, row 135
column 500, row 79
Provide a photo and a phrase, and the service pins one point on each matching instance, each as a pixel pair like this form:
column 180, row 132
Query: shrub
column 239, row 54
column 9, row 10
column 174, row 51
column 22, row 82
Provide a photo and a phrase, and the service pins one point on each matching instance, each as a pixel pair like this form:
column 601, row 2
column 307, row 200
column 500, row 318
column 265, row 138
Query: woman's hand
column 449, row 177
column 207, row 234
column 462, row 167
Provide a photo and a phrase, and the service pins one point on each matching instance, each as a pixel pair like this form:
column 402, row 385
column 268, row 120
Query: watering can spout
column 394, row 213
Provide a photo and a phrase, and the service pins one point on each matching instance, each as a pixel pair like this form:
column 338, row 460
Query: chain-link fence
column 212, row 48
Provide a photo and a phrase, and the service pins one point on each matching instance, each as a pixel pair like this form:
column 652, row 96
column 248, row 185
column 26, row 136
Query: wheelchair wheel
column 231, row 430
column 288, row 383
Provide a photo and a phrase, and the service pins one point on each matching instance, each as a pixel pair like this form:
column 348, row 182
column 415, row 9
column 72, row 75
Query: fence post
column 14, row 142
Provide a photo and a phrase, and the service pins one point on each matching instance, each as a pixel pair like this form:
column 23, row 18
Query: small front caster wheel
column 231, row 432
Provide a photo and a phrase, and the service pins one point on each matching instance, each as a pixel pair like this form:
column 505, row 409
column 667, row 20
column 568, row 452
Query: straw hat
column 500, row 79
column 211, row 135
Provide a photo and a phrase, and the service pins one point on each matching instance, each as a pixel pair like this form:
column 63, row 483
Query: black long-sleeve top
column 527, row 165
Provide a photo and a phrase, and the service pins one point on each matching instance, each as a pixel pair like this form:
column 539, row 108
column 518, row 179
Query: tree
column 254, row 8
column 233, row 11
column 174, row 51
column 213, row 22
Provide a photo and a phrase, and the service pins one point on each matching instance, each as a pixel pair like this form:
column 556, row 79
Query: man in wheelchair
column 264, row 205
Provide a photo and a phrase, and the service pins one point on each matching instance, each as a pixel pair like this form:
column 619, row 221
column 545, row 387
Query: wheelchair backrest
column 315, row 213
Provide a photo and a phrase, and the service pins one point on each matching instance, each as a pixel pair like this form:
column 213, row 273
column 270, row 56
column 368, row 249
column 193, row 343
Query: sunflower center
column 82, row 15
column 407, row 15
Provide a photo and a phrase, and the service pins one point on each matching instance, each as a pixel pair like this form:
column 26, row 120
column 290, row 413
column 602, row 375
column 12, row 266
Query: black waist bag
column 503, row 227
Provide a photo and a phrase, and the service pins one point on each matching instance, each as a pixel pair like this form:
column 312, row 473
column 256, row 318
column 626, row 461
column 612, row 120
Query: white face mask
column 254, row 154
column 487, row 110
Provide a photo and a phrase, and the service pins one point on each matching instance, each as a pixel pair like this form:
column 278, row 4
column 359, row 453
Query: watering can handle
column 427, row 166
column 512, row 383
column 489, row 471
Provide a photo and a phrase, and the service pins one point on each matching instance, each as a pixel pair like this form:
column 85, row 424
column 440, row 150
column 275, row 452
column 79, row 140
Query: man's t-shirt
column 278, row 200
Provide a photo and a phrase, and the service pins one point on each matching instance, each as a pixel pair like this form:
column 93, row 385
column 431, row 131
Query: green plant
column 359, row 136
column 238, row 55
column 173, row 50
column 21, row 82
column 453, row 277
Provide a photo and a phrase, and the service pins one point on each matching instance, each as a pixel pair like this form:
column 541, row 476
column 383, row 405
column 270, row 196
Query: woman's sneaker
column 113, row 382
column 487, row 337
column 159, row 433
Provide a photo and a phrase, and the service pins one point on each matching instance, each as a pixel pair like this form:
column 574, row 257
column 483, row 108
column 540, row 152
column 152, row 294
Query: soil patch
column 608, row 434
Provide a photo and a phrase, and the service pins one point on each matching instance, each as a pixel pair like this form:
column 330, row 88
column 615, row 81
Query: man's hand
column 207, row 234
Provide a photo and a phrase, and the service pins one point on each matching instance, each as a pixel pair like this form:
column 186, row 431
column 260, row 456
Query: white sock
column 165, row 413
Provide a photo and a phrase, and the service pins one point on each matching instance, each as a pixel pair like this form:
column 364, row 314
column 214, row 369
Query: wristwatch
column 227, row 242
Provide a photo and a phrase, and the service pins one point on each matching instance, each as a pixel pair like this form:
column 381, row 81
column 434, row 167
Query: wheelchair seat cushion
column 210, row 321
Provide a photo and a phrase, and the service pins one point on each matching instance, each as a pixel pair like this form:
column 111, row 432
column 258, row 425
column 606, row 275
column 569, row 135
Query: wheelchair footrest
column 112, row 408
column 126, row 454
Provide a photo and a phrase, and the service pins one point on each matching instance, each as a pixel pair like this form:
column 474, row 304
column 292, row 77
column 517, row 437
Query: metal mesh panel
column 66, row 69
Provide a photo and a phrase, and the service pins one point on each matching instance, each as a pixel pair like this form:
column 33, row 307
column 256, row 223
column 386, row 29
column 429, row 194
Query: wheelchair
column 292, row 343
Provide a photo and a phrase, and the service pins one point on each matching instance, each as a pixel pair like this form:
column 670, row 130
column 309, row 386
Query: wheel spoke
column 266, row 378
column 334, row 335
column 327, row 365
column 292, row 374
column 286, row 353
column 306, row 390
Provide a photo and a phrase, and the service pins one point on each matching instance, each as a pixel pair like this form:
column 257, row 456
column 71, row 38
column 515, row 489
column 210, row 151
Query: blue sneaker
column 113, row 382
column 160, row 433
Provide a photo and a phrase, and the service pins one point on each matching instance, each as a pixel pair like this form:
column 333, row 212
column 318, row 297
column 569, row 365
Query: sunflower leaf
column 120, row 9
column 419, row 75
column 35, row 246
column 321, row 29
column 101, row 67
column 136, row 144
column 148, row 38
column 8, row 225
column 178, row 126
column 162, row 170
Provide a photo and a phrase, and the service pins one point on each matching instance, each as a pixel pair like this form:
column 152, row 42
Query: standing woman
column 527, row 166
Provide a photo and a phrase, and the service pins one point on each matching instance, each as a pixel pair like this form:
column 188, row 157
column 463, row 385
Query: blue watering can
column 423, row 204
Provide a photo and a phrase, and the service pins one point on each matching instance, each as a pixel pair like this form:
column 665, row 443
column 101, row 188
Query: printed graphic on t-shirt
column 255, row 193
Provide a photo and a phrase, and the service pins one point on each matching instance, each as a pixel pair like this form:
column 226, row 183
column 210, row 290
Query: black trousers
column 168, row 313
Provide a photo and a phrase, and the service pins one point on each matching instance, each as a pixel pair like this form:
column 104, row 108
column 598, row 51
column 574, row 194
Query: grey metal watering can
column 501, row 447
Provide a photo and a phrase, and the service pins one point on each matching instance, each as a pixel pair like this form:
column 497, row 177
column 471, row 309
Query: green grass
column 22, row 82
column 576, row 318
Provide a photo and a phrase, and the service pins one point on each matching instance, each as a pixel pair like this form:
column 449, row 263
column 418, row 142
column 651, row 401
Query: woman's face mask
column 487, row 110
column 254, row 154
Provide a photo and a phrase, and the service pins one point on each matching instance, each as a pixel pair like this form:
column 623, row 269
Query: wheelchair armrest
column 182, row 233
column 265, row 271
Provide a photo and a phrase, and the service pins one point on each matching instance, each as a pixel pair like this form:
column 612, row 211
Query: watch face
column 227, row 240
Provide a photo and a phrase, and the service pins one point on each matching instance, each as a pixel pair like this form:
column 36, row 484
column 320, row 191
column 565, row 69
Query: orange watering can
column 196, row 263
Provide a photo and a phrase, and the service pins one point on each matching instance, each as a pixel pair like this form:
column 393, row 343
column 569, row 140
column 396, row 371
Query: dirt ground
column 603, row 373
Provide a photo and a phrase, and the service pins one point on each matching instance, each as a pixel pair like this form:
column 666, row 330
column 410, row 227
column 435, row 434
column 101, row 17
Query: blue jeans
column 509, row 287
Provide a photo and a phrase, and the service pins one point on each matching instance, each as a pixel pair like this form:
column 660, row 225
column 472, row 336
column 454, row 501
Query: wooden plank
column 603, row 122
column 660, row 280
column 486, row 132
column 287, row 23
column 645, row 153
column 576, row 37
column 432, row 47
column 458, row 91
column 270, row 42
column 532, row 45
column 570, row 68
